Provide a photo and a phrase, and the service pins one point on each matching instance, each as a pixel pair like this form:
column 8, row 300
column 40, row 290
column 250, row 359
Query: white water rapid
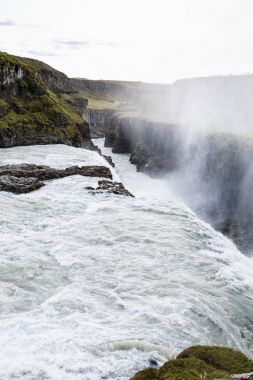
column 93, row 285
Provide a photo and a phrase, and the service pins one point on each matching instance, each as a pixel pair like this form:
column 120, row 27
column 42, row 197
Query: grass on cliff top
column 30, row 63
column 5, row 57
column 98, row 101
column 106, row 98
column 200, row 362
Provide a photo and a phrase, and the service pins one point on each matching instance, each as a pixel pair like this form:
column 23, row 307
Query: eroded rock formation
column 23, row 178
column 111, row 188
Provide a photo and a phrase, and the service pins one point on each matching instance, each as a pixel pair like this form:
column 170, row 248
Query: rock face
column 23, row 178
column 98, row 120
column 201, row 362
column 32, row 110
column 154, row 147
column 111, row 187
column 79, row 104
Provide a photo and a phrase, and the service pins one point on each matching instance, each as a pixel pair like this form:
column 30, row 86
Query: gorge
column 99, row 285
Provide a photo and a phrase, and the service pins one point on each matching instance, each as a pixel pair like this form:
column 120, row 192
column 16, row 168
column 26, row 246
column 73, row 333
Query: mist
column 200, row 131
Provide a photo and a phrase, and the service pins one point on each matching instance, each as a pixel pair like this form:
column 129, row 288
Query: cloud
column 40, row 53
column 7, row 22
column 78, row 44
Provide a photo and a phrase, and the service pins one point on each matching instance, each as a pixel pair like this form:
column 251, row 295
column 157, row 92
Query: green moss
column 146, row 374
column 35, row 110
column 220, row 357
column 200, row 362
column 182, row 369
column 60, row 106
column 5, row 57
column 4, row 107
column 191, row 369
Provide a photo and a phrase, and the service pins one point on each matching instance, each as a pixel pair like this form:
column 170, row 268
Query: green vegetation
column 223, row 358
column 29, row 110
column 200, row 363
column 106, row 94
column 4, row 107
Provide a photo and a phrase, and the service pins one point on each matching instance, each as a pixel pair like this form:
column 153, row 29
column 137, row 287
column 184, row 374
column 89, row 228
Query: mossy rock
column 182, row 369
column 146, row 374
column 220, row 357
column 200, row 362
column 190, row 369
column 4, row 107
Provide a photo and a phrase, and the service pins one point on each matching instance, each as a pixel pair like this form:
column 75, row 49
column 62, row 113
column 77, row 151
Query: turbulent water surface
column 92, row 286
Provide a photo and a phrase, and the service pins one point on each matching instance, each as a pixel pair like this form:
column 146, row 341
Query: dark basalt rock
column 23, row 178
column 140, row 156
column 19, row 185
column 43, row 172
column 109, row 160
column 111, row 187
column 153, row 362
column 79, row 104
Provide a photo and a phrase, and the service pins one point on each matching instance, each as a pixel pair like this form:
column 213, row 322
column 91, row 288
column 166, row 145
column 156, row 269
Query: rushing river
column 93, row 285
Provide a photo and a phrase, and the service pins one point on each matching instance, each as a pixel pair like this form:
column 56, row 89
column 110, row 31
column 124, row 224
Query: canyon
column 116, row 262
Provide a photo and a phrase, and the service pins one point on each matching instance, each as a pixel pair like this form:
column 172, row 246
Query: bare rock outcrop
column 111, row 188
column 23, row 178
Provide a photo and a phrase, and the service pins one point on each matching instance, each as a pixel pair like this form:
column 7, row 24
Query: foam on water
column 92, row 286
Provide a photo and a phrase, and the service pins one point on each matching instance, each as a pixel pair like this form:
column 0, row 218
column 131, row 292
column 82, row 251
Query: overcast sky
column 147, row 40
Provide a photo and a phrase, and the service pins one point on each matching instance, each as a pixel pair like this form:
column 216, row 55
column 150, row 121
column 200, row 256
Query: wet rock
column 43, row 172
column 140, row 156
column 111, row 187
column 109, row 160
column 109, row 139
column 19, row 185
column 153, row 362
column 23, row 178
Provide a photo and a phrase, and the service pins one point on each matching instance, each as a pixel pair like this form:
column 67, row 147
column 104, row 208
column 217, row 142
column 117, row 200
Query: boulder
column 111, row 187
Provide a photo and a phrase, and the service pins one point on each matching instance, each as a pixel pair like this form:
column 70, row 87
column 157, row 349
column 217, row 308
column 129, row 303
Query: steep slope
column 31, row 109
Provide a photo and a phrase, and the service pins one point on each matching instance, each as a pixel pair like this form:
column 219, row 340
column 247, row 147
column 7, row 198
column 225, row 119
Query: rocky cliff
column 211, row 171
column 196, row 132
column 32, row 111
